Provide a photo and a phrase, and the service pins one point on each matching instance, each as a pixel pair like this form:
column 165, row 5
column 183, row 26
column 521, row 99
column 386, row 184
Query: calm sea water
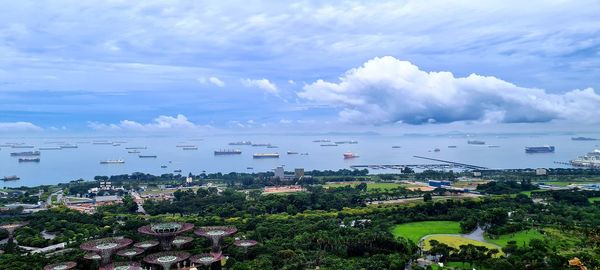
column 64, row 165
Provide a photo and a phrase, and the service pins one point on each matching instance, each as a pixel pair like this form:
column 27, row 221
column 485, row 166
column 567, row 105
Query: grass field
column 528, row 193
column 370, row 186
column 522, row 238
column 416, row 230
column 594, row 199
column 456, row 242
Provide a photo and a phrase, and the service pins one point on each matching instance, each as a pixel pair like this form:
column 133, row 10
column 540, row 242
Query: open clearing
column 522, row 238
column 370, row 186
column 456, row 241
column 416, row 230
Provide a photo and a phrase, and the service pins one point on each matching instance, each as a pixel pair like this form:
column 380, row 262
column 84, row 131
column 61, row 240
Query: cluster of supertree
column 168, row 237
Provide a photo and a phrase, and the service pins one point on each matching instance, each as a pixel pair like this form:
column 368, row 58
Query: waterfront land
column 331, row 219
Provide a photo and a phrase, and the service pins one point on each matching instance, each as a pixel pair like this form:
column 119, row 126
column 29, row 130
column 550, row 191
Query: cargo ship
column 347, row 142
column 102, row 142
column 50, row 148
column 396, row 146
column 112, row 161
column 349, row 155
column 69, row 146
column 539, row 149
column 476, row 142
column 29, row 159
column 22, row 146
column 147, row 156
column 292, row 153
column 266, row 155
column 25, row 154
column 451, row 146
column 583, row 139
column 227, row 152
column 185, row 145
column 134, row 152
column 322, row 141
column 591, row 160
column 261, row 144
column 190, row 148
column 10, row 178
column 329, row 144
column 136, row 148
column 241, row 143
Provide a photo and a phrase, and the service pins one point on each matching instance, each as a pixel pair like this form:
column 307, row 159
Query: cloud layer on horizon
column 386, row 90
column 15, row 127
column 159, row 124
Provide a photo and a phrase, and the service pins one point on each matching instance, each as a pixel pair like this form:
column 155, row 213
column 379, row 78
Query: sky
column 151, row 66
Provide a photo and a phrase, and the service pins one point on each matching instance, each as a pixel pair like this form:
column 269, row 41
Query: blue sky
column 146, row 66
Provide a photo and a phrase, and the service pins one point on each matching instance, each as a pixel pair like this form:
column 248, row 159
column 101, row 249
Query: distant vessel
column 451, row 146
column 272, row 146
column 227, row 152
column 112, row 161
column 185, row 145
column 329, row 144
column 177, row 171
column 29, row 159
column 22, row 146
column 304, row 154
column 116, row 144
column 266, row 155
column 241, row 143
column 25, row 154
column 261, row 144
column 50, row 148
column 102, row 142
column 346, row 142
column 476, row 142
column 249, row 168
column 10, row 178
column 134, row 152
column 163, row 166
column 136, row 148
column 322, row 140
column 590, row 160
column 436, row 150
column 396, row 146
column 292, row 153
column 493, row 146
column 349, row 155
column 583, row 139
column 147, row 156
column 539, row 149
column 69, row 146
column 190, row 148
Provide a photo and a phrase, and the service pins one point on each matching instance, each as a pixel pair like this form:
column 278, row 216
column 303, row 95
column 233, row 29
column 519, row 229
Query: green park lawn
column 457, row 241
column 416, row 230
column 522, row 238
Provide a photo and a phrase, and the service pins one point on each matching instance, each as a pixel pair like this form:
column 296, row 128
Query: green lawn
column 370, row 185
column 594, row 199
column 457, row 241
column 522, row 238
column 416, row 230
column 528, row 193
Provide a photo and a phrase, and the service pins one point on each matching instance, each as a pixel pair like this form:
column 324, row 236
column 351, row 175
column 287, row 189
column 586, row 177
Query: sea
column 83, row 162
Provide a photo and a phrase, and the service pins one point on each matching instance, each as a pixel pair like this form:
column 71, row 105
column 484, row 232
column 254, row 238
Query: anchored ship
column 112, row 161
column 322, row 141
column 539, row 149
column 29, row 159
column 10, row 178
column 22, row 146
column 583, row 139
column 68, row 146
column 50, row 148
column 190, row 148
column 346, row 142
column 349, row 155
column 266, row 155
column 227, row 152
column 136, row 148
column 261, row 144
column 25, row 154
column 476, row 142
column 134, row 152
column 147, row 156
column 241, row 143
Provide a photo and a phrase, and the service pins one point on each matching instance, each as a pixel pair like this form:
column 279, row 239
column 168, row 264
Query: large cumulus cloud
column 388, row 90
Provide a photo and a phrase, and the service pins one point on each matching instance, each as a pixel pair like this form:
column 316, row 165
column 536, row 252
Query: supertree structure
column 122, row 266
column 130, row 252
column 245, row 244
column 166, row 258
column 105, row 247
column 181, row 241
column 11, row 227
column 165, row 232
column 204, row 259
column 60, row 266
column 215, row 234
column 92, row 256
column 146, row 244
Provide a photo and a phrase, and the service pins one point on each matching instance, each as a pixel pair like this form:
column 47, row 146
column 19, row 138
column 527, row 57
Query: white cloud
column 262, row 84
column 387, row 90
column 18, row 127
column 161, row 123
column 212, row 80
